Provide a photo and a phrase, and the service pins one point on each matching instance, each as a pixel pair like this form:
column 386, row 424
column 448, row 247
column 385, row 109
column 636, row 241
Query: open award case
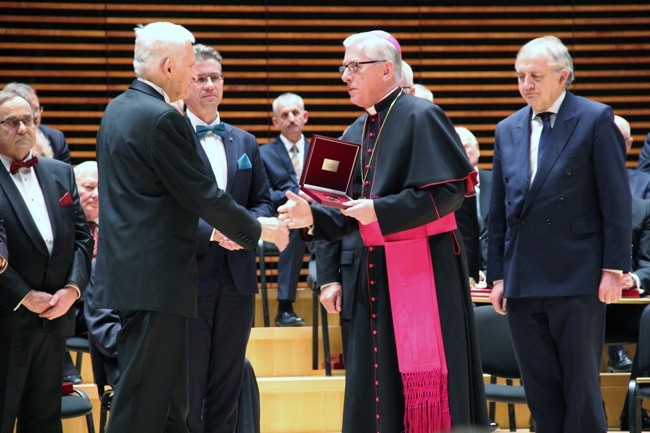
column 328, row 170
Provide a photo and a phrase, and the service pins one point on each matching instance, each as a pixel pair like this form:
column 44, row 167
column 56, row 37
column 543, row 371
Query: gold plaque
column 330, row 165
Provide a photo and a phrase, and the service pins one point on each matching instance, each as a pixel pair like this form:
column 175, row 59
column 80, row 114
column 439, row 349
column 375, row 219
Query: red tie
column 94, row 232
column 17, row 165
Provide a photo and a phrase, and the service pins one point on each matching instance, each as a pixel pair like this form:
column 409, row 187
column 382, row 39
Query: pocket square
column 244, row 163
column 66, row 200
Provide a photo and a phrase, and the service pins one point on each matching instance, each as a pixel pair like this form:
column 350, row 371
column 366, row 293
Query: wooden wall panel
column 78, row 56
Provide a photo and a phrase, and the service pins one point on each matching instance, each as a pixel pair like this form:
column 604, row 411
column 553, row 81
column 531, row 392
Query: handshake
column 274, row 231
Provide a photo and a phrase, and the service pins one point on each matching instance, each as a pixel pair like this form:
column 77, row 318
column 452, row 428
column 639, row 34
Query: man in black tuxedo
column 50, row 248
column 227, row 274
column 56, row 138
column 153, row 188
column 283, row 159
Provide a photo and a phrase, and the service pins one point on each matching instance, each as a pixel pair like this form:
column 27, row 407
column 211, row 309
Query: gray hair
column 377, row 48
column 155, row 41
column 555, row 51
column 204, row 52
column 85, row 168
column 21, row 89
column 6, row 96
column 422, row 92
column 286, row 99
column 466, row 136
column 407, row 75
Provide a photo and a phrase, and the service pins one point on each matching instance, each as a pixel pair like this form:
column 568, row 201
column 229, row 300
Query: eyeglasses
column 353, row 67
column 13, row 123
column 202, row 80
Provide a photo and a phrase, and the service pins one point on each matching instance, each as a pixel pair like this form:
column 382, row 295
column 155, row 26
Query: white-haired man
column 412, row 175
column 154, row 187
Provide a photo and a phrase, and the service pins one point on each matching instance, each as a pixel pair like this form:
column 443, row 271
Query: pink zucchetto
column 388, row 37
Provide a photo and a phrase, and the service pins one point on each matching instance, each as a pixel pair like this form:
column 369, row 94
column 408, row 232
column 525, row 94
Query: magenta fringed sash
column 418, row 335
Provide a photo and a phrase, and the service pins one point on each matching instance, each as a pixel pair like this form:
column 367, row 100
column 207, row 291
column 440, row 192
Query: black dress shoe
column 74, row 378
column 619, row 362
column 645, row 421
column 288, row 318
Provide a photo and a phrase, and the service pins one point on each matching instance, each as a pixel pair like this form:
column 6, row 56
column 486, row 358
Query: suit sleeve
column 103, row 323
column 497, row 218
column 328, row 261
column 175, row 160
column 613, row 190
column 4, row 254
column 83, row 250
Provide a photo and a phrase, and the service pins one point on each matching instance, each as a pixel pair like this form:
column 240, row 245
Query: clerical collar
column 195, row 120
column 157, row 88
column 384, row 102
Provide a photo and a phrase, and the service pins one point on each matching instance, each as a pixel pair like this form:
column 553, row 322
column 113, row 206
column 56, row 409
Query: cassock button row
column 376, row 383
column 377, row 416
column 373, row 299
column 371, row 265
column 367, row 166
column 376, row 366
column 371, row 134
column 374, row 315
column 372, row 282
column 374, row 332
column 370, row 248
column 377, row 399
column 366, row 183
column 369, row 150
column 376, row 350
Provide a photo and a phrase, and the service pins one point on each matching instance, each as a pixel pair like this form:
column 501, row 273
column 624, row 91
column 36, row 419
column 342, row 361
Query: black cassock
column 413, row 165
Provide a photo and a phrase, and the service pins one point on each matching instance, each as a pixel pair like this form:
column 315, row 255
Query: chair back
column 495, row 343
column 643, row 347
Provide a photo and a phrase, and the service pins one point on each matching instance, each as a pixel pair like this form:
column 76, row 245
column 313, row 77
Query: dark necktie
column 546, row 134
column 217, row 129
column 94, row 232
column 17, row 165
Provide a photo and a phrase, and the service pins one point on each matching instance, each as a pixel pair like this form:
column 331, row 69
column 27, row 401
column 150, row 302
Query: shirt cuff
column 21, row 302
column 616, row 271
column 74, row 286
column 326, row 285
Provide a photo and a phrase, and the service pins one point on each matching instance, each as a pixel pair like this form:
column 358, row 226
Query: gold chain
column 364, row 174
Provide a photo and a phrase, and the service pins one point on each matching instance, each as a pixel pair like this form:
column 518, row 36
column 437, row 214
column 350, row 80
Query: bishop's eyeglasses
column 353, row 67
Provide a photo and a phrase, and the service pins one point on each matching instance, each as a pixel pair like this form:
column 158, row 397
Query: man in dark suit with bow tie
column 153, row 188
column 56, row 138
column 283, row 159
column 227, row 273
column 560, row 237
column 50, row 250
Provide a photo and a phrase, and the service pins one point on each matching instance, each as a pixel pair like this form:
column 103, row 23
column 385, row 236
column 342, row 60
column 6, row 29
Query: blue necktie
column 217, row 129
column 546, row 134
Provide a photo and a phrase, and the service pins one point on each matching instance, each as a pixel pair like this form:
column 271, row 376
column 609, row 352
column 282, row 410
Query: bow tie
column 217, row 129
column 17, row 165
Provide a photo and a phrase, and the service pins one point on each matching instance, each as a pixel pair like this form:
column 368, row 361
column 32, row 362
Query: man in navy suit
column 57, row 141
column 154, row 187
column 50, row 250
column 227, row 273
column 560, row 237
column 283, row 159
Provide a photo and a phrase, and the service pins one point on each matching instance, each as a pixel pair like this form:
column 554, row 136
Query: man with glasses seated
column 60, row 148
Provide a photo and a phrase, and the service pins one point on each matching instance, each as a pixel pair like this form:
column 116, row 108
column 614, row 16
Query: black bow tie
column 17, row 165
column 217, row 129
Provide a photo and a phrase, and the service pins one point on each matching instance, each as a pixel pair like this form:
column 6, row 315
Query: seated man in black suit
column 59, row 145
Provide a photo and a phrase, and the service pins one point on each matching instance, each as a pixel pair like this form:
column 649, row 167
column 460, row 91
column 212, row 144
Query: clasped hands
column 50, row 306
column 296, row 212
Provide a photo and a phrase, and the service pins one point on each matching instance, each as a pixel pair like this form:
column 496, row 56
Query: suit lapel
column 565, row 123
column 16, row 201
column 234, row 150
column 51, row 195
column 521, row 149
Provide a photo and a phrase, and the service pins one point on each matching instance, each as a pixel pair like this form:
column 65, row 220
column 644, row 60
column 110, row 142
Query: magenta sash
column 418, row 334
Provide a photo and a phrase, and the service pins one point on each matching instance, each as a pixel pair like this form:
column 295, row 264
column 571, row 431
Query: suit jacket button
column 548, row 221
column 568, row 172
column 521, row 222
